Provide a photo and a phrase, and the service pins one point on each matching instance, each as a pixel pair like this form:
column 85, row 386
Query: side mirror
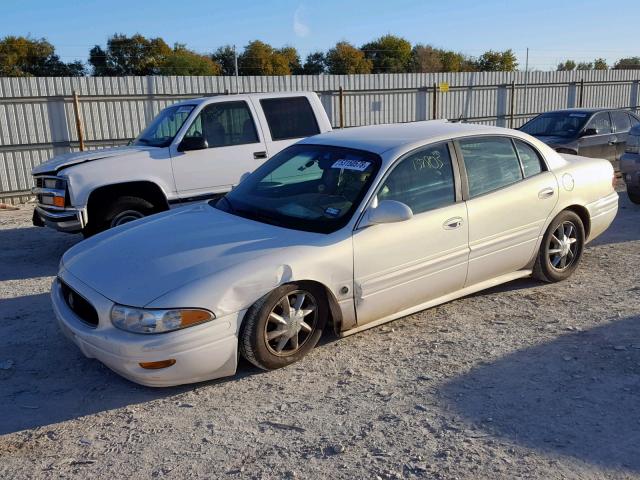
column 192, row 143
column 588, row 132
column 389, row 211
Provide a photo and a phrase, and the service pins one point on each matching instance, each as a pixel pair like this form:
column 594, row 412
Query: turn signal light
column 58, row 201
column 157, row 365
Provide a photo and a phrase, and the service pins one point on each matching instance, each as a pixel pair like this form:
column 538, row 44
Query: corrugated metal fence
column 37, row 119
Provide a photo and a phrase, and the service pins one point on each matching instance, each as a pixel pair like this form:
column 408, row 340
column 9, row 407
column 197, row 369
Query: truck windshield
column 164, row 127
column 556, row 124
column 305, row 187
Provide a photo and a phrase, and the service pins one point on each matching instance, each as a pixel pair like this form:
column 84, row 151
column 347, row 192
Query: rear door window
column 290, row 117
column 620, row 121
column 530, row 159
column 491, row 163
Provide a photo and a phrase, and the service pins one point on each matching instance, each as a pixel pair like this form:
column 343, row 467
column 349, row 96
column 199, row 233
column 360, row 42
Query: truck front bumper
column 69, row 220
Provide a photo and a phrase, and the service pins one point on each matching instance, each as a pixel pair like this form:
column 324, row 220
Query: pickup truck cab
column 193, row 150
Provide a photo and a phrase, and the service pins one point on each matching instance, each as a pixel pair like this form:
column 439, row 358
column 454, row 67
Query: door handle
column 613, row 141
column 545, row 193
column 452, row 223
column 259, row 155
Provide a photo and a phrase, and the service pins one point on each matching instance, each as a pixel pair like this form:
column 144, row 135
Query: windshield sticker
column 332, row 212
column 358, row 165
column 579, row 115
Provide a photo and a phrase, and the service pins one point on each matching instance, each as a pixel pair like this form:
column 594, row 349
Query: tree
column 566, row 66
column 186, row 62
column 388, row 54
column 584, row 66
column 315, row 64
column 27, row 57
column 344, row 59
column 293, row 59
column 425, row 59
column 225, row 57
column 631, row 63
column 135, row 55
column 456, row 62
column 497, row 61
column 600, row 64
column 259, row 58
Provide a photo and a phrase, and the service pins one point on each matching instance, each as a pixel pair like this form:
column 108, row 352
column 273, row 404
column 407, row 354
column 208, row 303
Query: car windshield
column 164, row 127
column 556, row 124
column 305, row 187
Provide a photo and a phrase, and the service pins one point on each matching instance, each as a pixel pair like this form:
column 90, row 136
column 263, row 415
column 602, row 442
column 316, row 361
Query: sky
column 552, row 30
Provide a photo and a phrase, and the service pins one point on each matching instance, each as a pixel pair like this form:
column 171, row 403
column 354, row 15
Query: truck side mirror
column 192, row 143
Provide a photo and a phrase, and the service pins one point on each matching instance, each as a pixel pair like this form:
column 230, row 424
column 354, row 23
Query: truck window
column 290, row 117
column 224, row 124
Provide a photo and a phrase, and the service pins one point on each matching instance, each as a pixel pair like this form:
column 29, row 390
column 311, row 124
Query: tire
column 634, row 196
column 260, row 325
column 558, row 256
column 123, row 210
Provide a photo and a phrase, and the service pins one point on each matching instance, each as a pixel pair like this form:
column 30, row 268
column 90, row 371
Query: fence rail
column 37, row 118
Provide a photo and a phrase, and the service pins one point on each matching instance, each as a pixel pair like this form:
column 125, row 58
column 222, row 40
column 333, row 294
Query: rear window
column 289, row 117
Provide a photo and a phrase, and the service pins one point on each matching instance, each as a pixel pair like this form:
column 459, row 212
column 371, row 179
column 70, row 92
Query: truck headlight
column 142, row 320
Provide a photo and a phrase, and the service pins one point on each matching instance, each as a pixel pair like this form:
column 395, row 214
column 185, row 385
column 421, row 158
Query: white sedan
column 345, row 230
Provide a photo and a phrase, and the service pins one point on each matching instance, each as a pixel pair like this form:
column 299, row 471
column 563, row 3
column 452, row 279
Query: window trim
column 541, row 159
column 463, row 169
column 266, row 118
column 197, row 113
column 614, row 128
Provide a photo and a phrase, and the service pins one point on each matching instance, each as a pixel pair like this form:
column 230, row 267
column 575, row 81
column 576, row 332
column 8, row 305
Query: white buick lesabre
column 347, row 230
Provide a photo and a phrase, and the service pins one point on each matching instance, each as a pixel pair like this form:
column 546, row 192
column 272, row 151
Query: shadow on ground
column 577, row 395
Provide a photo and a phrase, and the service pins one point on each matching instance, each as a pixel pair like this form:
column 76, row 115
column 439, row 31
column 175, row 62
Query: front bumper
column 630, row 169
column 68, row 220
column 202, row 352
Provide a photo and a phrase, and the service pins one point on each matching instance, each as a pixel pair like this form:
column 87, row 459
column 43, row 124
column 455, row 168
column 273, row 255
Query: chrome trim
column 53, row 192
column 56, row 216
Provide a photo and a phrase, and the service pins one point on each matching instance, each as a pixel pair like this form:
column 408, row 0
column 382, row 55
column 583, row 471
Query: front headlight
column 141, row 320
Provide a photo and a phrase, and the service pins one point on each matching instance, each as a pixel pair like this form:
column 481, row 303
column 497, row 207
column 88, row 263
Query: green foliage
column 425, row 59
column 27, row 57
column 497, row 61
column 584, row 66
column 388, row 54
column 135, row 55
column 225, row 57
column 315, row 64
column 260, row 58
column 566, row 66
column 631, row 63
column 344, row 59
column 186, row 62
column 293, row 59
column 600, row 64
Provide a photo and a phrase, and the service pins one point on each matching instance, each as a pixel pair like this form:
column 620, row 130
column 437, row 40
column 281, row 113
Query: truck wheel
column 123, row 210
column 634, row 196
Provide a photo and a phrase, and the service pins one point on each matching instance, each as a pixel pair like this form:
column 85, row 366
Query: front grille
column 39, row 182
column 79, row 305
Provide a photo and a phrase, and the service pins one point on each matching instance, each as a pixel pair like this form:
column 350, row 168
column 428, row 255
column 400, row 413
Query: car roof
column 582, row 110
column 381, row 138
column 233, row 96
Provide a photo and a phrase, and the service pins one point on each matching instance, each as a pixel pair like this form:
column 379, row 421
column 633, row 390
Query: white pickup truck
column 194, row 149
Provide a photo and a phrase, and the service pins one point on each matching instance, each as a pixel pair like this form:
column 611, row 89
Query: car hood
column 553, row 140
column 59, row 162
column 137, row 263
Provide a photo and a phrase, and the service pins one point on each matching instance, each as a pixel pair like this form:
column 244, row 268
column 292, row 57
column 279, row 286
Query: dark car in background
column 589, row 132
column 630, row 165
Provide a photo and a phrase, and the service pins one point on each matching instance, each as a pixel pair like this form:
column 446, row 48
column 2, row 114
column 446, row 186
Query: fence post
column 341, row 106
column 76, row 114
column 581, row 96
column 512, row 102
column 435, row 101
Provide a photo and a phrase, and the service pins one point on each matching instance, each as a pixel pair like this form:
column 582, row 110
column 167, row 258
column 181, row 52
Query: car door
column 287, row 120
column 234, row 147
column 509, row 198
column 600, row 143
column 621, row 125
column 401, row 265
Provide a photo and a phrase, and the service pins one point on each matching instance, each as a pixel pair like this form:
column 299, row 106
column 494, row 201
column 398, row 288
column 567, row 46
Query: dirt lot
column 525, row 380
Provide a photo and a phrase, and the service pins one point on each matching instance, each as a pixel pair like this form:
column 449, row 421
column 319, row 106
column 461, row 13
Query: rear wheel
column 283, row 326
column 124, row 210
column 561, row 248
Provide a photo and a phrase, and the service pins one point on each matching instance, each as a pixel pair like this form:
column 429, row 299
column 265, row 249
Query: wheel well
column 583, row 213
column 566, row 150
column 148, row 191
column 334, row 309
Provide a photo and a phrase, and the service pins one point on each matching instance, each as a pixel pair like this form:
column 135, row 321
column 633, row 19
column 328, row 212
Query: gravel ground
column 525, row 380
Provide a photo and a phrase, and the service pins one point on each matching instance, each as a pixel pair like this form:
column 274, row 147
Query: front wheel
column 123, row 210
column 561, row 248
column 283, row 326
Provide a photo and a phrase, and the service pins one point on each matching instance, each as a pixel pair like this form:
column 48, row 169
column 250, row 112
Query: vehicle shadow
column 576, row 395
column 31, row 252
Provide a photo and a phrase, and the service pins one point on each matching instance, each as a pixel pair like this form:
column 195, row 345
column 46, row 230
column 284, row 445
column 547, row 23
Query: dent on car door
column 600, row 144
column 510, row 196
column 232, row 146
column 400, row 265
